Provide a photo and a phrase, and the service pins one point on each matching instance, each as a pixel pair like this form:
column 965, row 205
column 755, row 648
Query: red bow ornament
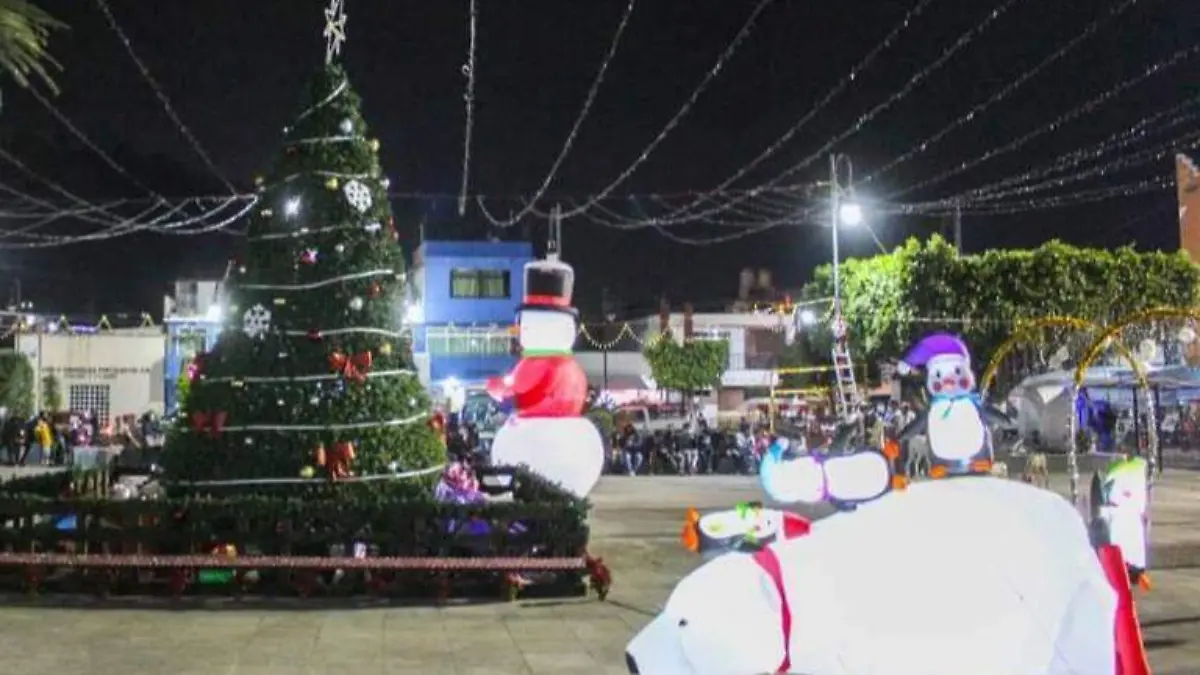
column 337, row 459
column 211, row 422
column 353, row 367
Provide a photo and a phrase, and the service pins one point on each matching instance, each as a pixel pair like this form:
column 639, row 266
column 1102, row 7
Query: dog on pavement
column 1036, row 470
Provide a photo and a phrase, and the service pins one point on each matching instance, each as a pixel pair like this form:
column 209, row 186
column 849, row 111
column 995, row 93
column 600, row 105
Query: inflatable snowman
column 956, row 421
column 977, row 575
column 547, row 387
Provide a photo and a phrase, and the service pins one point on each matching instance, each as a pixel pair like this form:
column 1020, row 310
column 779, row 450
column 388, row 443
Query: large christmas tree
column 313, row 375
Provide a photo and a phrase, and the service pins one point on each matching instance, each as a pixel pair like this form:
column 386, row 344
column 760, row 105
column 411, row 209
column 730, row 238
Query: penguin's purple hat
column 934, row 345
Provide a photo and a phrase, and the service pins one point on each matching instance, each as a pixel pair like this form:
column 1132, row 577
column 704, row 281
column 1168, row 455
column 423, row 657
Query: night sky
column 234, row 71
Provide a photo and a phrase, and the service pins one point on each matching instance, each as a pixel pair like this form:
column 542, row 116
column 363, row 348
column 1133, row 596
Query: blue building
column 193, row 319
column 465, row 296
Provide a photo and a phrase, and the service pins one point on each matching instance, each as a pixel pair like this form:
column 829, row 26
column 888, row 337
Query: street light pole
column 835, row 213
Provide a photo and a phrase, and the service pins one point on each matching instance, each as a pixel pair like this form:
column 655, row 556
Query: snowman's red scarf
column 769, row 562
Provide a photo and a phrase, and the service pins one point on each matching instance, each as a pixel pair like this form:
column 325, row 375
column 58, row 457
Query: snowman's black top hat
column 549, row 284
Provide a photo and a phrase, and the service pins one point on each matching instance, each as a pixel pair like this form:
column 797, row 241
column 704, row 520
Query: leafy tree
column 891, row 300
column 24, row 35
column 51, row 394
column 310, row 359
column 16, row 384
column 688, row 366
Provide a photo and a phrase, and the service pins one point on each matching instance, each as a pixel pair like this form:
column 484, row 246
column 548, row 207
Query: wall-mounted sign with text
column 72, row 373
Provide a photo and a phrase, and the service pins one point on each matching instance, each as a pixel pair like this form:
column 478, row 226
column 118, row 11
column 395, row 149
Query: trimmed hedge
column 392, row 519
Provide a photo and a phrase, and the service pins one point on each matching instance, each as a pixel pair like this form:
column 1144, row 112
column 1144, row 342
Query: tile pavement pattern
column 635, row 526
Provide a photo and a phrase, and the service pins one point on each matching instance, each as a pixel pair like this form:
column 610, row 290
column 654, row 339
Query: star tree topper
column 335, row 29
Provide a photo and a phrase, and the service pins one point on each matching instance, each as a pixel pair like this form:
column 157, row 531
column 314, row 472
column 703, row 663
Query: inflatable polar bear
column 974, row 575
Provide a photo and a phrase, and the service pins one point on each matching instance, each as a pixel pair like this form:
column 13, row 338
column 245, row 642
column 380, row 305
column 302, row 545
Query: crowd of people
column 59, row 438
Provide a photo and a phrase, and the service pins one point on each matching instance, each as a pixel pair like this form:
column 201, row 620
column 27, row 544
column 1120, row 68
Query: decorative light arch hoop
column 1026, row 330
column 1106, row 338
column 1112, row 337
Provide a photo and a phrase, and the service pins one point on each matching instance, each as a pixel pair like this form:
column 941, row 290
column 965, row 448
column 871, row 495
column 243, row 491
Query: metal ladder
column 848, row 395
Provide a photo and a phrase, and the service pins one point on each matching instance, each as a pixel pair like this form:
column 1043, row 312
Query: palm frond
column 24, row 37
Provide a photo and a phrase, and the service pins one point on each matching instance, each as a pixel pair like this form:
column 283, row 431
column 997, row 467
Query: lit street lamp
column 842, row 212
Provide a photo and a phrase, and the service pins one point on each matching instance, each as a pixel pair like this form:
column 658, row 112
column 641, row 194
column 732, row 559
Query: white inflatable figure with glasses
column 548, row 388
column 843, row 481
column 978, row 575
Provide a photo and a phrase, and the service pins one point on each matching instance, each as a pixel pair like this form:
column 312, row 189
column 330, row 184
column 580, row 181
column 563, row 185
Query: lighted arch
column 1028, row 329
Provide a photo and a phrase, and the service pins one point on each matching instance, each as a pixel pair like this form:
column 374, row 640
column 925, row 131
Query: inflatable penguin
column 1015, row 589
column 1119, row 505
column 956, row 422
column 746, row 528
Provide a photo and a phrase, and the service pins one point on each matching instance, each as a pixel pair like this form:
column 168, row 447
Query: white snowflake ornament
column 256, row 322
column 358, row 195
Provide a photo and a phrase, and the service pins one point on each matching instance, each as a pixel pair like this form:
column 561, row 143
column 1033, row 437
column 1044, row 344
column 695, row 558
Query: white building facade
column 114, row 373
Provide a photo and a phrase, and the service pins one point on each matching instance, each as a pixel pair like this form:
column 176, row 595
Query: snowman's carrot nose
column 690, row 536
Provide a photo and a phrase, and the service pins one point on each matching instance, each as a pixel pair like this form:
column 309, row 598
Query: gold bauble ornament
column 331, row 184
column 308, row 472
column 259, row 180
column 385, row 348
column 374, row 144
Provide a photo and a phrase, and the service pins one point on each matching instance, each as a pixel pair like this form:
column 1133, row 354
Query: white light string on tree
column 358, row 330
column 1145, row 128
column 325, row 377
column 683, row 111
column 689, row 213
column 580, row 118
column 400, row 475
column 468, row 71
column 357, row 276
column 347, row 426
column 162, row 96
column 1086, row 108
column 1005, row 91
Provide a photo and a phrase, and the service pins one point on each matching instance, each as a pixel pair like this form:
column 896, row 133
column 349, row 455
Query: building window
column 88, row 397
column 468, row 343
column 488, row 284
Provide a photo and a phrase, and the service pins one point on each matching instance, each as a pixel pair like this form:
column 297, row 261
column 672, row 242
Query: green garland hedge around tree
column 312, row 376
column 891, row 300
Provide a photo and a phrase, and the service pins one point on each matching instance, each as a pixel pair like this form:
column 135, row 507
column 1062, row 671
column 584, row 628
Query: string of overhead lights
column 1086, row 108
column 780, row 142
column 90, row 144
column 687, row 213
column 468, row 71
column 584, row 111
column 162, row 96
column 1164, row 150
column 1092, row 196
column 688, row 104
column 1007, row 90
column 161, row 224
column 1145, row 128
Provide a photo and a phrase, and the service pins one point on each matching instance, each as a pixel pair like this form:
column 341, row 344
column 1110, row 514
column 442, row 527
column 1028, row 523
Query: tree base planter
column 385, row 540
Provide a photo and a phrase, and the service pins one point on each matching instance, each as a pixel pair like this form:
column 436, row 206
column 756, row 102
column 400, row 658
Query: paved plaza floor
column 635, row 528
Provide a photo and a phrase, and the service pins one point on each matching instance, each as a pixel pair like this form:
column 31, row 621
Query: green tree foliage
column 688, row 366
column 51, row 394
column 16, row 384
column 321, row 257
column 887, row 300
column 24, row 35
